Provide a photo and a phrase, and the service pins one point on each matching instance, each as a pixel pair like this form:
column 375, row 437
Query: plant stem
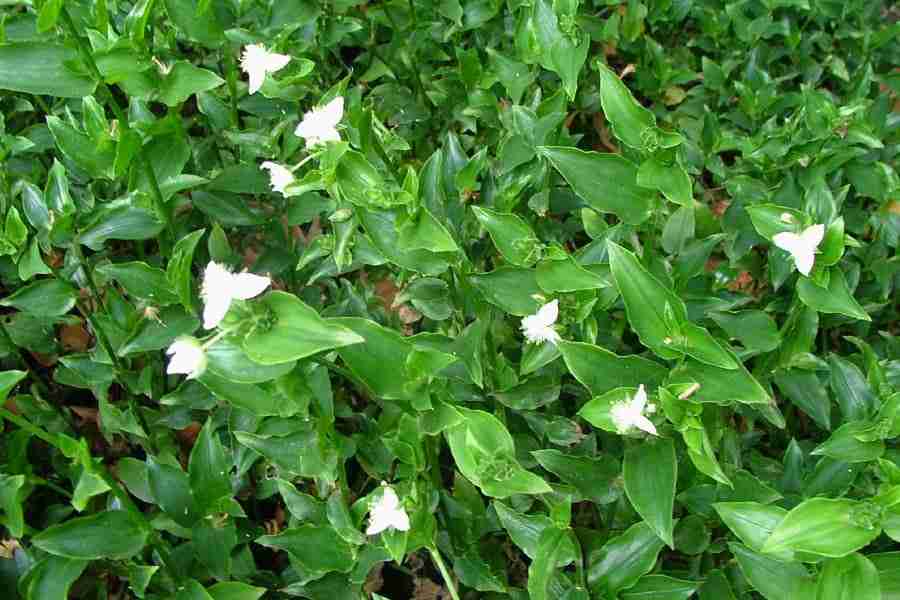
column 86, row 55
column 436, row 557
column 95, row 292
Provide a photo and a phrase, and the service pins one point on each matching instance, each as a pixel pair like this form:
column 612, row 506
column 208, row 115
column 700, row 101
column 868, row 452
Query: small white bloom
column 538, row 328
column 279, row 177
column 320, row 124
column 188, row 357
column 221, row 287
column 630, row 413
column 802, row 247
column 387, row 512
column 256, row 61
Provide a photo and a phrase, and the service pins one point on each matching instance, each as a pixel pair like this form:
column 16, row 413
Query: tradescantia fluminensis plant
column 533, row 299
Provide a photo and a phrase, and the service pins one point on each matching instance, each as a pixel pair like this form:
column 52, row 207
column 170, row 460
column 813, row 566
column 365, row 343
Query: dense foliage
column 523, row 299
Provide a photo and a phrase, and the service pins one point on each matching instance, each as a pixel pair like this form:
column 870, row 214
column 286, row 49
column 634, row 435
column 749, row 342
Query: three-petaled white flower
column 279, row 176
column 256, row 61
column 538, row 328
column 630, row 413
column 188, row 357
column 320, row 124
column 387, row 512
column 802, row 246
column 221, row 287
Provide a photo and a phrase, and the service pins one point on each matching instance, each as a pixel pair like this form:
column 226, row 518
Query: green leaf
column 606, row 182
column 888, row 565
column 753, row 328
column 774, row 579
column 510, row 288
column 835, row 299
column 670, row 179
column 631, row 122
column 191, row 590
column 317, row 548
column 97, row 157
column 11, row 501
column 51, row 578
column 296, row 331
column 851, row 390
column 550, row 547
column 382, row 226
column 623, row 560
column 851, row 442
column 566, row 275
column 485, row 453
column 513, row 237
column 650, row 471
column 120, row 220
column 235, row 590
column 645, row 302
column 719, row 386
column 45, row 297
column 771, row 219
column 853, row 577
column 701, row 345
column 184, row 80
column 515, row 76
column 806, row 391
column 600, row 370
column 381, row 346
column 43, row 68
column 196, row 25
column 112, row 534
column 251, row 397
column 825, row 526
column 178, row 270
column 563, row 52
column 171, row 490
column 751, row 522
column 302, row 451
column 596, row 478
column 140, row 280
column 209, row 468
column 660, row 587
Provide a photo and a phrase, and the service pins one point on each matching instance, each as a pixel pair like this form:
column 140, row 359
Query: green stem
column 88, row 58
column 232, row 88
column 436, row 557
column 95, row 292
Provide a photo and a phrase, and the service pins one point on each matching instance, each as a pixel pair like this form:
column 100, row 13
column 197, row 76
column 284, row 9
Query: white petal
column 275, row 62
column 376, row 525
column 279, row 176
column 804, row 259
column 644, row 424
column 188, row 357
column 400, row 520
column 813, row 235
column 639, row 400
column 787, row 241
column 248, row 285
column 333, row 112
column 548, row 313
column 215, row 309
column 256, row 77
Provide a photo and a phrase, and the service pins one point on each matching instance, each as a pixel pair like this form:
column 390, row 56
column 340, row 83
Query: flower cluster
column 220, row 288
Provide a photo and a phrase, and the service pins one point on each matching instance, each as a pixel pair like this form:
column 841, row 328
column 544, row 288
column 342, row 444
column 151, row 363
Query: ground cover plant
column 445, row 299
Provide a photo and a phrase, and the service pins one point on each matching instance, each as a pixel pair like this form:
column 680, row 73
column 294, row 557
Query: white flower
column 387, row 512
column 630, row 413
column 256, row 61
column 802, row 247
column 279, row 177
column 320, row 124
column 538, row 327
column 221, row 286
column 188, row 357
